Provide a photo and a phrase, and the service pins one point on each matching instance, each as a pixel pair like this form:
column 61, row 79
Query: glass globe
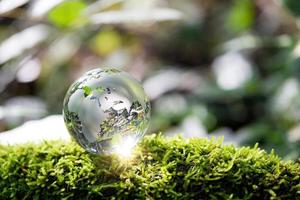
column 106, row 110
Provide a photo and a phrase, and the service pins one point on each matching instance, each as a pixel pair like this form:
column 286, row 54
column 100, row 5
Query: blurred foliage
column 241, row 15
column 293, row 6
column 106, row 42
column 67, row 13
column 210, row 67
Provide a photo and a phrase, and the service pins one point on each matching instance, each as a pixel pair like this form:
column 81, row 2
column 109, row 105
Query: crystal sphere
column 106, row 110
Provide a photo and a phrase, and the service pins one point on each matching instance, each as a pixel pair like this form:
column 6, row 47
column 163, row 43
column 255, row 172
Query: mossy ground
column 160, row 169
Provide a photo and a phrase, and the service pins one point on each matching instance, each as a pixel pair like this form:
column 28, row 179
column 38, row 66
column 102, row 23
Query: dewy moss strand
column 160, row 169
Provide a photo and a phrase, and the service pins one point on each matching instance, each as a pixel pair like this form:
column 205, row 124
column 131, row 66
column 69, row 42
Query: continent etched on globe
column 103, row 108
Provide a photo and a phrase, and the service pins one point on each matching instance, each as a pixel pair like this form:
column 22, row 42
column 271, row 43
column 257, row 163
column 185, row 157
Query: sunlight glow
column 125, row 147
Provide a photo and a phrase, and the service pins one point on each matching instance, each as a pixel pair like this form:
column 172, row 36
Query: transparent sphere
column 106, row 110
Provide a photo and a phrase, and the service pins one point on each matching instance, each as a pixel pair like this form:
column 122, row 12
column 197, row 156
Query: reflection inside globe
column 106, row 108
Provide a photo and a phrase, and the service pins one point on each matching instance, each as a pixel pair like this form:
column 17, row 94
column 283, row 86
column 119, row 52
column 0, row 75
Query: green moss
column 160, row 169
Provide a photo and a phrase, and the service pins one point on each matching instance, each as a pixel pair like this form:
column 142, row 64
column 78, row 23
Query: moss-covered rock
column 160, row 169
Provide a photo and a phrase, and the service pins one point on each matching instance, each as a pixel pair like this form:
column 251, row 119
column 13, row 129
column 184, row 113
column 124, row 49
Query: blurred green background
column 210, row 67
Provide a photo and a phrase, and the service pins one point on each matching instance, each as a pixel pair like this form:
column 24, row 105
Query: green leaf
column 106, row 42
column 67, row 14
column 293, row 6
column 241, row 16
